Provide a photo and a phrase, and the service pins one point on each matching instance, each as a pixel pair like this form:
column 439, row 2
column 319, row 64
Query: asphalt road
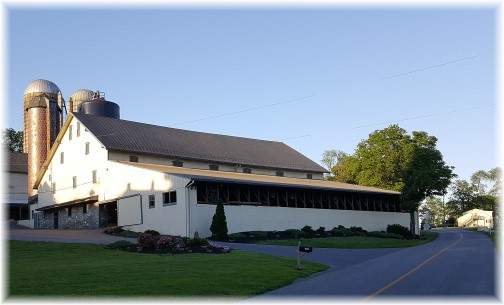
column 458, row 264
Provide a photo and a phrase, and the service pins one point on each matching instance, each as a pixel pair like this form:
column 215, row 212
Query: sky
column 317, row 78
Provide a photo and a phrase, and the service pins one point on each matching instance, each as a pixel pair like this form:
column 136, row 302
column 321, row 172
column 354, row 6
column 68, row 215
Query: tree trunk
column 412, row 223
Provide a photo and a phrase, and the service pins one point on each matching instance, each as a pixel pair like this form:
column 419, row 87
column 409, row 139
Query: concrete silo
column 43, row 118
column 79, row 96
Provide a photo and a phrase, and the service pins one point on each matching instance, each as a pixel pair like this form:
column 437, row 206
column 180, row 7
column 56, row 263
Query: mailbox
column 305, row 249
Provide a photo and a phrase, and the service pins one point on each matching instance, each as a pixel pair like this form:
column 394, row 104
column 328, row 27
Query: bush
column 320, row 230
column 121, row 245
column 165, row 242
column 398, row 229
column 258, row 234
column 196, row 242
column 307, row 229
column 219, row 227
column 113, row 230
column 358, row 229
column 294, row 233
column 146, row 241
column 341, row 231
column 237, row 236
column 152, row 232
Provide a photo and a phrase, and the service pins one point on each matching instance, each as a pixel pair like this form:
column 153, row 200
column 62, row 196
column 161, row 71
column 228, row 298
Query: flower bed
column 150, row 242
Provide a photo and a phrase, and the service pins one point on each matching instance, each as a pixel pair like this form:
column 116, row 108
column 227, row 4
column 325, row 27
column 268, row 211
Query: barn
column 105, row 171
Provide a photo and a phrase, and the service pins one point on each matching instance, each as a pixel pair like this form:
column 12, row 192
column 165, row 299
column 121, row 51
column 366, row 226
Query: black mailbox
column 305, row 249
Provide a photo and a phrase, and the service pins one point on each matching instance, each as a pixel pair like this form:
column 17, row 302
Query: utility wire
column 422, row 116
column 313, row 95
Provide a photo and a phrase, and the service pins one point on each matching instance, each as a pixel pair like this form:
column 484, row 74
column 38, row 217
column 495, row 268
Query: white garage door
column 129, row 211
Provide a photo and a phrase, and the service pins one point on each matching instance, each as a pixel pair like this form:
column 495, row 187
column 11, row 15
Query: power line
column 422, row 116
column 313, row 95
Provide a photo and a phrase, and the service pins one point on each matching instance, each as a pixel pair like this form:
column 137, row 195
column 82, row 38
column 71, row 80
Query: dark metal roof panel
column 140, row 138
column 16, row 162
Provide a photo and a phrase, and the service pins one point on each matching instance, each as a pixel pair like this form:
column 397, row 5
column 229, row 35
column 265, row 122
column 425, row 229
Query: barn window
column 53, row 187
column 70, row 133
column 247, row 170
column 213, row 167
column 170, row 198
column 84, row 208
column 78, row 129
column 279, row 173
column 74, row 181
column 152, row 201
column 309, row 176
column 177, row 163
column 94, row 177
column 69, row 212
column 133, row 158
column 62, row 157
column 87, row 148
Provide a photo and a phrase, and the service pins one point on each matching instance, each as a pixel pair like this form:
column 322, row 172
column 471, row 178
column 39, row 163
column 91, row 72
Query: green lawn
column 59, row 269
column 355, row 242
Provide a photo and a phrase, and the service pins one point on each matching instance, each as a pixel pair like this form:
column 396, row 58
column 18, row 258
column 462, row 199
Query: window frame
column 169, row 198
column 86, row 149
column 152, row 201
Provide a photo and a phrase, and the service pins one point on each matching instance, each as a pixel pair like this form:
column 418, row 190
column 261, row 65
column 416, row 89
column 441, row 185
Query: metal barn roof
column 234, row 177
column 139, row 138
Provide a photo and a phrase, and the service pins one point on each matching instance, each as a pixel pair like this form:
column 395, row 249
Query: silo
column 79, row 96
column 99, row 106
column 43, row 117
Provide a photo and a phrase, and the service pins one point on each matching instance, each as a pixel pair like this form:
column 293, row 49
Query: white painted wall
column 15, row 190
column 250, row 218
column 119, row 156
column 486, row 221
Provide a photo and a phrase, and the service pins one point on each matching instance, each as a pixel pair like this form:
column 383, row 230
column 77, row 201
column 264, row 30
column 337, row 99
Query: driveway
column 93, row 236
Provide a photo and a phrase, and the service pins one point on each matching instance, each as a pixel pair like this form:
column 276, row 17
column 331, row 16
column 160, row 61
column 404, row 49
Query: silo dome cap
column 82, row 95
column 41, row 86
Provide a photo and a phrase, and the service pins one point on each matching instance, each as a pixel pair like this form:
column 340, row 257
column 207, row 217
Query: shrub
column 398, row 229
column 307, row 229
column 165, row 242
column 152, row 232
column 113, row 230
column 341, row 231
column 294, row 233
column 219, row 227
column 320, row 230
column 121, row 245
column 196, row 242
column 358, row 229
column 258, row 234
column 237, row 236
column 146, row 241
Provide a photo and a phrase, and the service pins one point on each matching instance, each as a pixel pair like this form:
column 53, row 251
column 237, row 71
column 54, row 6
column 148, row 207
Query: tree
column 12, row 140
column 219, row 223
column 426, row 175
column 436, row 209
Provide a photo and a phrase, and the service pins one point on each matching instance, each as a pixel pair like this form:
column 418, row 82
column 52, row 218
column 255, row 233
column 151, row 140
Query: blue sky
column 312, row 74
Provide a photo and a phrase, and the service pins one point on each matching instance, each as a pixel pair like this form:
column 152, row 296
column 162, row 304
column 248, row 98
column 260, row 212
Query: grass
column 354, row 242
column 60, row 269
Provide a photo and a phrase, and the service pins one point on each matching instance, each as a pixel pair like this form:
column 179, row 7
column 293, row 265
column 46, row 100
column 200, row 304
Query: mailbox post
column 301, row 251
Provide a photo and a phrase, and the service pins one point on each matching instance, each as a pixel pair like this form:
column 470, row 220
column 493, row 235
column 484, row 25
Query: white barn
column 104, row 171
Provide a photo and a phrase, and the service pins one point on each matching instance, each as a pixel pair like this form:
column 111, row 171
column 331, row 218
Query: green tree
column 436, row 209
column 12, row 140
column 219, row 227
column 426, row 175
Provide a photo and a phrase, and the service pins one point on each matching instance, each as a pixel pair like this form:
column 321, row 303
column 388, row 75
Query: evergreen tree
column 219, row 224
